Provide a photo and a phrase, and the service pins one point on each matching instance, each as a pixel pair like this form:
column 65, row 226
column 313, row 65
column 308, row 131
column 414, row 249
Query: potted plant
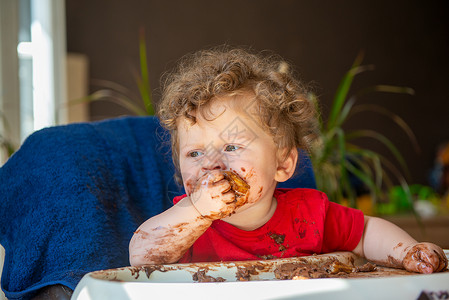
column 116, row 93
column 337, row 160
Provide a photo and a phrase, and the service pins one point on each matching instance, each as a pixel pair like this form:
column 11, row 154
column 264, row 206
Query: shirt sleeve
column 178, row 198
column 343, row 228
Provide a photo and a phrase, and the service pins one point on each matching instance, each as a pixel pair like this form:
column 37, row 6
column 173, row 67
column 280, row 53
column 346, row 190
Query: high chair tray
column 263, row 279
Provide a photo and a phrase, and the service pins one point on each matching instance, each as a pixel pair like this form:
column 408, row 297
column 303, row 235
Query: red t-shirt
column 305, row 222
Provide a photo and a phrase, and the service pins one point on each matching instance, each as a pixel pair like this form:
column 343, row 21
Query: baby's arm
column 164, row 238
column 386, row 244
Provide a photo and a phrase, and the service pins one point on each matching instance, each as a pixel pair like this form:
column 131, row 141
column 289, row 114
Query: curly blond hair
column 283, row 108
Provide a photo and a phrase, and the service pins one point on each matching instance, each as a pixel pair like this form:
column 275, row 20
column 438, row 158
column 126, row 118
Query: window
column 32, row 66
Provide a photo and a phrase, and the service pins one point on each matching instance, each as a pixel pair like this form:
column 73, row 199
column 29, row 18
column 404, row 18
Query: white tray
column 176, row 281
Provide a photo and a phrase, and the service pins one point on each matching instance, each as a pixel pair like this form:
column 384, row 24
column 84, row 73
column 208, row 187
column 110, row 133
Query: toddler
column 237, row 120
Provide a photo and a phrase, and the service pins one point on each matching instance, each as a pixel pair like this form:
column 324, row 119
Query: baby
column 237, row 120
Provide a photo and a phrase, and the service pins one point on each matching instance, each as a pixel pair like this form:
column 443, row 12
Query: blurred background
column 406, row 41
column 54, row 52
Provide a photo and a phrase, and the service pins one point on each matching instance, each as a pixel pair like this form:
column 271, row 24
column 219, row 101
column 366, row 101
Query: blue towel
column 72, row 196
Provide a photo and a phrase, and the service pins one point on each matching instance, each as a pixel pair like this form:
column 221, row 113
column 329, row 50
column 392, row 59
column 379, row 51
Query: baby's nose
column 213, row 163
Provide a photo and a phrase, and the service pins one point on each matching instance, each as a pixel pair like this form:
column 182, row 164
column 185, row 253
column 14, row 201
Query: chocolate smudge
column 201, row 276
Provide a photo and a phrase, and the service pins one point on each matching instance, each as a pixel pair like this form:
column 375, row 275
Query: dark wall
column 407, row 41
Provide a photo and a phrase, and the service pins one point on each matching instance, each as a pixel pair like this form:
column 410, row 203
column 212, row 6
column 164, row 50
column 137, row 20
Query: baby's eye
column 231, row 148
column 194, row 154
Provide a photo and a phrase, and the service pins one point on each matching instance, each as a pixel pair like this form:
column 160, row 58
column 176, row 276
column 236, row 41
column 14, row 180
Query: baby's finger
column 418, row 266
column 230, row 208
column 434, row 256
column 228, row 197
column 220, row 187
column 215, row 176
column 240, row 200
column 209, row 179
column 442, row 259
column 416, row 261
column 428, row 260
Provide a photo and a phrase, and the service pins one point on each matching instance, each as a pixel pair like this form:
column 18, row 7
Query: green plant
column 116, row 93
column 5, row 144
column 400, row 204
column 336, row 158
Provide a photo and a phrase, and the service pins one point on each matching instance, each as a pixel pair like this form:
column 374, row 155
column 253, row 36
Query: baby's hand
column 213, row 197
column 425, row 258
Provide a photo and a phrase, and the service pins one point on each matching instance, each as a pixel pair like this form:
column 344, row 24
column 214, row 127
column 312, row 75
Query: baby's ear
column 286, row 164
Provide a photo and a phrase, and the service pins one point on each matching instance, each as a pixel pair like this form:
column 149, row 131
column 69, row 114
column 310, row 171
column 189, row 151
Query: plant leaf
column 113, row 96
column 366, row 166
column 343, row 89
column 387, row 89
column 143, row 82
column 344, row 176
column 362, row 155
column 346, row 110
column 392, row 116
column 385, row 141
column 111, row 85
column 403, row 182
column 364, row 176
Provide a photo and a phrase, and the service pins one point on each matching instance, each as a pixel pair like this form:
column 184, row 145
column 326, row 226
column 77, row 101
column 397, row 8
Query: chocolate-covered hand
column 239, row 186
column 425, row 258
column 212, row 196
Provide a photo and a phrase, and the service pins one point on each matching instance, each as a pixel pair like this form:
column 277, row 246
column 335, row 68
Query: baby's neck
column 253, row 217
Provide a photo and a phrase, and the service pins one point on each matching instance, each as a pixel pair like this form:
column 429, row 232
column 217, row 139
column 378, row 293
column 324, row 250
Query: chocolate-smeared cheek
column 189, row 185
column 254, row 194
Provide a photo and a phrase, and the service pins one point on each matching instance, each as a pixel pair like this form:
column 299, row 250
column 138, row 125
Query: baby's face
column 229, row 139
